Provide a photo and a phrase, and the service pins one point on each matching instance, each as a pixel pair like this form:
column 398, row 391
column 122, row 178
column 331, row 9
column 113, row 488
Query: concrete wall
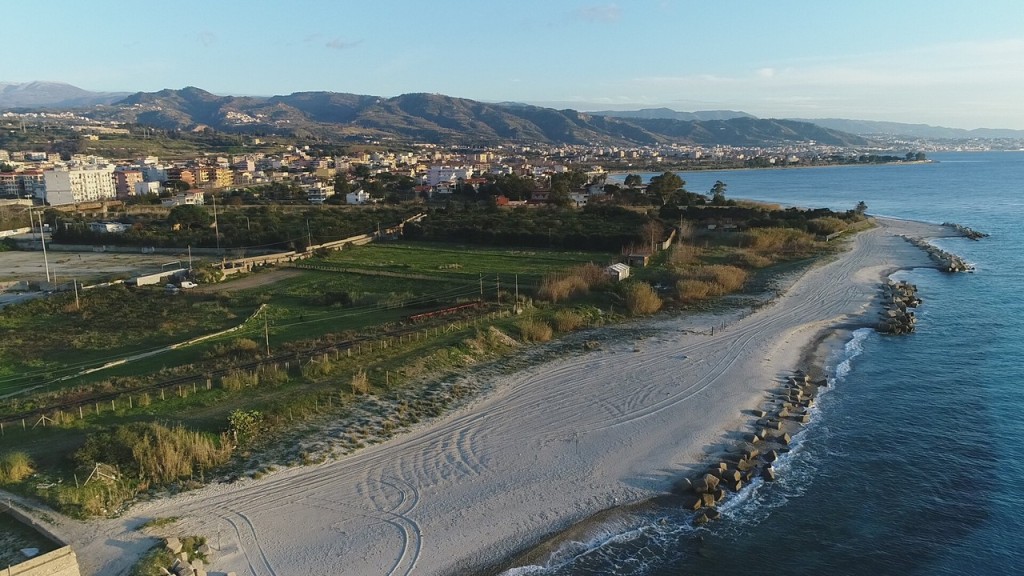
column 60, row 562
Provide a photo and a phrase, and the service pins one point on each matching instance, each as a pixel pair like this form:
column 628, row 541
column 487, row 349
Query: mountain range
column 446, row 119
column 36, row 95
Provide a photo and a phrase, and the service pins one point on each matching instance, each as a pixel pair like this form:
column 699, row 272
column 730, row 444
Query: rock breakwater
column 965, row 231
column 753, row 457
column 947, row 262
column 897, row 299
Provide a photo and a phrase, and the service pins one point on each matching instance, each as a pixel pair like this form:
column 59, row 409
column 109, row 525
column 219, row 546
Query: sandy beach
column 543, row 449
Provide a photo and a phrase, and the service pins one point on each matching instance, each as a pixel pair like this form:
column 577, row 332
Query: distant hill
column 872, row 128
column 445, row 119
column 669, row 114
column 51, row 95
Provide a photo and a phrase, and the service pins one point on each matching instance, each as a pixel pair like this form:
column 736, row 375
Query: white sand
column 546, row 448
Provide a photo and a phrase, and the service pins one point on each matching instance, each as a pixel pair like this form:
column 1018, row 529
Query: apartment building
column 82, row 183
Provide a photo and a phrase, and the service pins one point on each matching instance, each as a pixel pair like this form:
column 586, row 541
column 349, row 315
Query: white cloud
column 598, row 13
column 937, row 83
column 339, row 44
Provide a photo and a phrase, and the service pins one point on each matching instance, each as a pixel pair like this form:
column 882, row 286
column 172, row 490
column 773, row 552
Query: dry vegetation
column 702, row 282
column 641, row 299
column 15, row 467
column 533, row 330
column 577, row 281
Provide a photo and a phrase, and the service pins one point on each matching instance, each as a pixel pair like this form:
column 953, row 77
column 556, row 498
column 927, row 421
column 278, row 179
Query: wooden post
column 193, row 387
column 23, row 424
column 162, row 394
column 130, row 402
column 80, row 415
column 112, row 408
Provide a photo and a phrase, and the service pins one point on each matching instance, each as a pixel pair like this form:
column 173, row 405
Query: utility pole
column 497, row 290
column 216, row 226
column 517, row 291
column 42, row 240
column 266, row 330
column 481, row 286
column 309, row 236
column 190, row 258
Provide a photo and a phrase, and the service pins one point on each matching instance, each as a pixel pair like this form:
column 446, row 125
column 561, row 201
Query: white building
column 144, row 188
column 357, row 197
column 87, row 183
column 319, row 193
column 438, row 174
column 195, row 197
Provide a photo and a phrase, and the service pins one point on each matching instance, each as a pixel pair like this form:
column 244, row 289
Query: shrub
column 153, row 453
column 702, row 282
column 245, row 425
column 684, row 255
column 238, row 379
column 693, row 290
column 15, row 467
column 360, row 383
column 826, row 225
column 568, row 320
column 531, row 330
column 641, row 299
column 577, row 281
column 778, row 241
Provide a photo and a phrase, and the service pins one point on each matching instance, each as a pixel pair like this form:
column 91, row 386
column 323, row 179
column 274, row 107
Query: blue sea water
column 913, row 463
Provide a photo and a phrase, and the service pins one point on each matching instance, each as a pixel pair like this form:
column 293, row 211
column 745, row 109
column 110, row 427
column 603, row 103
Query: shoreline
column 816, row 358
column 543, row 451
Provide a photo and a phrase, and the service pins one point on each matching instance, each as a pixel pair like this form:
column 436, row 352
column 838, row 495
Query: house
column 357, row 197
column 617, row 272
column 109, row 227
column 191, row 197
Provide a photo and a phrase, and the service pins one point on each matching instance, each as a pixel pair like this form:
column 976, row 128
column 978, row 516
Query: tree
column 190, row 216
column 718, row 193
column 861, row 208
column 341, row 185
column 633, row 180
column 651, row 233
column 665, row 186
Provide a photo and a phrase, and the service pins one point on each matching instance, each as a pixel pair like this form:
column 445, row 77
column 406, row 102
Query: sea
column 914, row 460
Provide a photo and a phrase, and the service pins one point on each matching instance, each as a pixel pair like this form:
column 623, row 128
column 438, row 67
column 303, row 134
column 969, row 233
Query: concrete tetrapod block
column 173, row 544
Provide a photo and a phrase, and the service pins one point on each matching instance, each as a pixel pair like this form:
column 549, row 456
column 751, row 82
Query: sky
column 942, row 62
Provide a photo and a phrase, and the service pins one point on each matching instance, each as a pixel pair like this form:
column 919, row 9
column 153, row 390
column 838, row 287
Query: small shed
column 617, row 272
column 640, row 260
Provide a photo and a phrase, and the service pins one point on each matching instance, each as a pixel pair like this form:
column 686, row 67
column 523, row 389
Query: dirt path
column 251, row 280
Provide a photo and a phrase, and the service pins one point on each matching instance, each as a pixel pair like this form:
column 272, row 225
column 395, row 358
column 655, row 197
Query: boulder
column 173, row 544
column 700, row 519
column 713, row 514
column 771, row 456
column 768, row 474
column 683, row 486
column 712, row 481
column 707, row 500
